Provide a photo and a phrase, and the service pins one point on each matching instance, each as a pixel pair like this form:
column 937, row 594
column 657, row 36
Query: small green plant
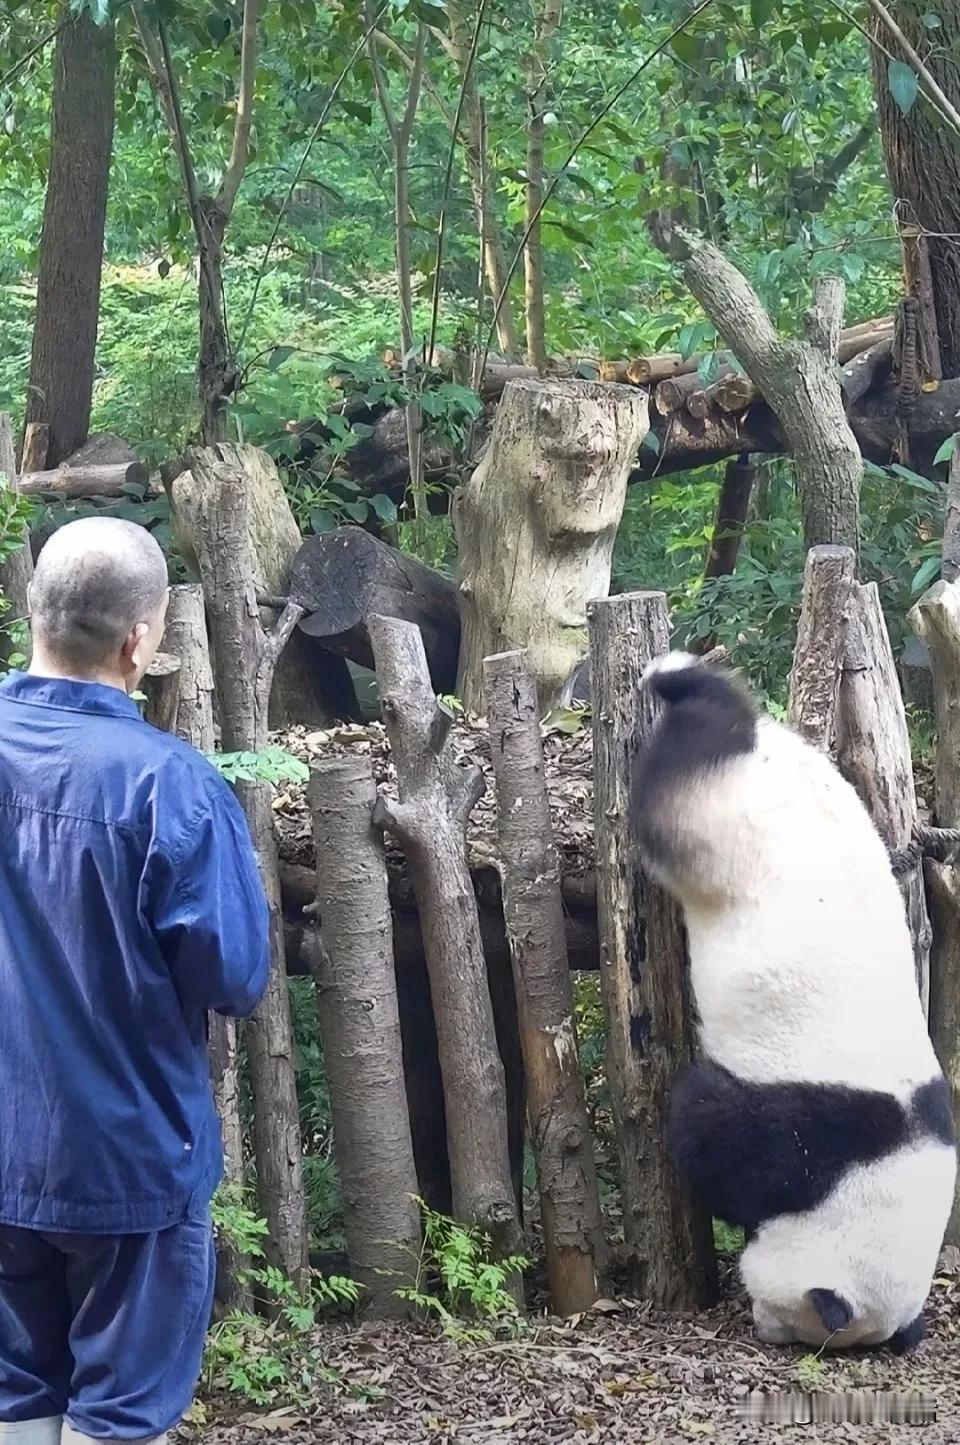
column 273, row 765
column 809, row 1372
column 466, row 1280
column 727, row 1239
column 271, row 1360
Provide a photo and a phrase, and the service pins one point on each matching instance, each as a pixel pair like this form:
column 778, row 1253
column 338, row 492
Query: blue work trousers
column 105, row 1330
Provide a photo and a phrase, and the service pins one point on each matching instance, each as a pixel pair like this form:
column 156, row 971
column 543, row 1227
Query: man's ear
column 132, row 644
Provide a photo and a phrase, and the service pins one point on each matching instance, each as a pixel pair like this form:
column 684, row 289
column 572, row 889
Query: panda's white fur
column 803, row 976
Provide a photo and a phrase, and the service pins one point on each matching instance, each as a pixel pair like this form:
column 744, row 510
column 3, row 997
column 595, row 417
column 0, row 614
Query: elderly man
column 130, row 905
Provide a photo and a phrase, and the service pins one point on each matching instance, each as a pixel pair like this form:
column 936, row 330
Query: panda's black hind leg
column 909, row 1337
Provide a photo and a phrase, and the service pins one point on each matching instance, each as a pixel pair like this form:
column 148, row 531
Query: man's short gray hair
column 95, row 580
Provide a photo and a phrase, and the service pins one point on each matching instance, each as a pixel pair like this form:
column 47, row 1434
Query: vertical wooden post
column 936, row 621
column 185, row 636
column 873, row 751
column 643, row 966
column 245, row 659
column 161, row 687
column 17, row 571
column 533, row 911
column 436, row 797
column 360, row 1029
column 818, row 656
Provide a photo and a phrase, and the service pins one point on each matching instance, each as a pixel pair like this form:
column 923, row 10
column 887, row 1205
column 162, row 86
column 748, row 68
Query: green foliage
column 467, row 1281
column 273, row 765
column 268, row 1361
column 904, row 84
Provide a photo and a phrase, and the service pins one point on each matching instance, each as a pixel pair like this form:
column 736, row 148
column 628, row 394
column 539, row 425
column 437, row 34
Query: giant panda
column 817, row 1116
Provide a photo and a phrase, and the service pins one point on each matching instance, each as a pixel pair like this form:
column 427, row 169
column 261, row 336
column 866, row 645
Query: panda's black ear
column 834, row 1311
column 908, row 1337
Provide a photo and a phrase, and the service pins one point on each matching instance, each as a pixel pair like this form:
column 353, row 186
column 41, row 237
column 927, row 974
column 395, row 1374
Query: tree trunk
column 733, row 505
column 16, row 572
column 643, row 968
column 818, row 655
column 537, row 522
column 185, row 636
column 303, row 691
column 161, row 687
column 797, row 379
column 533, row 910
column 185, row 639
column 936, row 621
column 36, row 445
column 216, row 372
column 71, row 244
column 345, row 577
column 873, row 751
column 360, row 1031
column 436, row 799
column 950, row 565
column 923, row 162
column 546, row 25
column 494, row 261
column 244, row 662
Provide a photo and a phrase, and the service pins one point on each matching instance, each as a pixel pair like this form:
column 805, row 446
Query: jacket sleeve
column 209, row 912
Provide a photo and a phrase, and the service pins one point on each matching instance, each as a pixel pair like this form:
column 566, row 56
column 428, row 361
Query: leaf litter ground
column 621, row 1374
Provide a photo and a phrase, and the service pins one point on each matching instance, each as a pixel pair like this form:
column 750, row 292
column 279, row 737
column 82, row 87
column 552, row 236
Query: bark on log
column 536, row 525
column 344, row 577
column 185, row 635
column 16, row 573
column 303, row 691
column 161, row 688
column 936, row 621
column 436, row 797
column 873, row 751
column 730, row 392
column 360, row 1030
column 113, row 480
column 533, row 910
column 643, row 968
column 818, row 655
column 245, row 658
column 674, row 394
column 950, row 564
column 797, row 379
column 185, row 639
column 36, row 444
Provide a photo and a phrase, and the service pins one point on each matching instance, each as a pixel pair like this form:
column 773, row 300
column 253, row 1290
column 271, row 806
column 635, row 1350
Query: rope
column 926, row 842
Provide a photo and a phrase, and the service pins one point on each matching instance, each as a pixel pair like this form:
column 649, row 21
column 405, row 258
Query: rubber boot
column 31, row 1432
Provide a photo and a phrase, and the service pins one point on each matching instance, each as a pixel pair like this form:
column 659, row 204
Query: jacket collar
column 65, row 695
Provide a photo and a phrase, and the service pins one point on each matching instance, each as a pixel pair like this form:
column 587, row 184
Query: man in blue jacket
column 130, row 905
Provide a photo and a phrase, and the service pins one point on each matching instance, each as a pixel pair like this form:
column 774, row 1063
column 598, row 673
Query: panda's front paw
column 768, row 1328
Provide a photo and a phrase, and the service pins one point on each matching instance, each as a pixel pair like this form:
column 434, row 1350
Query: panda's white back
column 801, row 960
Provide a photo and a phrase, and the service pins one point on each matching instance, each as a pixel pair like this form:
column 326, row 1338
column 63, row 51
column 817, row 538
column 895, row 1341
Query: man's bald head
column 97, row 581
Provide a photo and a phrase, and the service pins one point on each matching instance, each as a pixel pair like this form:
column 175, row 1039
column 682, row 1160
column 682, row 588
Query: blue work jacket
column 130, row 904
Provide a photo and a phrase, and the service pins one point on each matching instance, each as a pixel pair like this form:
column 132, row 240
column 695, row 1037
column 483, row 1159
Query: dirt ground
column 620, row 1375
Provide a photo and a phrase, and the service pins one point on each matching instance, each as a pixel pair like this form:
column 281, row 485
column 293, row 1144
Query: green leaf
column 708, row 368
column 652, row 442
column 760, row 12
column 946, row 451
column 358, row 110
column 322, row 520
column 579, row 238
column 932, row 21
column 811, row 40
column 357, row 510
column 687, row 48
column 278, row 356
column 904, row 84
column 852, row 267
column 925, row 575
column 385, row 508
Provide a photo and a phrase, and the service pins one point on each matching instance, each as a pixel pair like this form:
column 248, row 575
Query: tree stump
column 643, row 967
column 303, row 692
column 347, row 576
column 436, row 796
column 244, row 659
column 936, row 621
column 818, row 655
column 537, row 522
column 360, row 1029
column 873, row 751
column 185, row 636
column 16, row 573
column 161, row 687
column 533, row 911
